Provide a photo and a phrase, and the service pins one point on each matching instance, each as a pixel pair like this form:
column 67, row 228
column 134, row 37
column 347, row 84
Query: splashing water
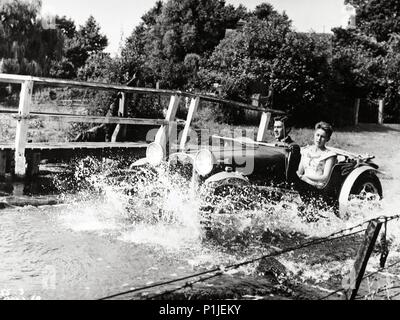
column 155, row 207
column 149, row 206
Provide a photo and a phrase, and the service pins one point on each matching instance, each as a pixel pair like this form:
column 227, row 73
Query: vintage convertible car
column 236, row 162
column 240, row 162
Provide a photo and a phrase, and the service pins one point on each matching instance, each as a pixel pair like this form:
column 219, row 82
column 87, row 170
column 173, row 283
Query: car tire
column 367, row 184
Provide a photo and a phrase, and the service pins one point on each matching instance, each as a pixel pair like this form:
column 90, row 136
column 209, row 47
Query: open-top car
column 228, row 161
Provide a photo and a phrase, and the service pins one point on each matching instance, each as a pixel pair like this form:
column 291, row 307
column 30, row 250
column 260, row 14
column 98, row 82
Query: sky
column 118, row 18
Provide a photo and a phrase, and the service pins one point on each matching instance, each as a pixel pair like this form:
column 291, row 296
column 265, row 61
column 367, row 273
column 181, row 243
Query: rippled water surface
column 117, row 232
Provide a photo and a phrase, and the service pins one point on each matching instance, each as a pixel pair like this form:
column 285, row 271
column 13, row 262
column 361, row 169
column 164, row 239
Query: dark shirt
column 285, row 141
column 293, row 157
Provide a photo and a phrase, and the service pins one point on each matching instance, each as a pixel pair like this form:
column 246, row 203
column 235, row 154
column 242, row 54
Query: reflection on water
column 121, row 230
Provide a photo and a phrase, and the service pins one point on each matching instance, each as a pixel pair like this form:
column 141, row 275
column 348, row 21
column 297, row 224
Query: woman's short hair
column 326, row 127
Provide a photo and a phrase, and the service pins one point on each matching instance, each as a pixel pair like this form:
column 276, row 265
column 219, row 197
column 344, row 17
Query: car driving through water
column 228, row 163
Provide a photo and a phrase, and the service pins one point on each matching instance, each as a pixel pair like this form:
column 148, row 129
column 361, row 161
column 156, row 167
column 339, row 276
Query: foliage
column 195, row 44
column 79, row 45
column 392, row 67
column 27, row 45
column 377, row 18
column 264, row 53
column 174, row 37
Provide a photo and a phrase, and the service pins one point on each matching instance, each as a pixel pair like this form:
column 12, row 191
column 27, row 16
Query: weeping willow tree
column 28, row 44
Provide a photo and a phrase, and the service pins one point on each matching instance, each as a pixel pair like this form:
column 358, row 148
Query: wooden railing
column 24, row 113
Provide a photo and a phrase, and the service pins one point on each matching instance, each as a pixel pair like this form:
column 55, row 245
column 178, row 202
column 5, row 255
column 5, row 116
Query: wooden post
column 120, row 130
column 33, row 164
column 3, row 163
column 364, row 252
column 22, row 128
column 164, row 134
column 194, row 103
column 18, row 189
column 380, row 112
column 263, row 129
column 356, row 111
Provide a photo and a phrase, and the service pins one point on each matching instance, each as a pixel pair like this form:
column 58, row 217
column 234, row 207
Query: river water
column 119, row 233
column 101, row 241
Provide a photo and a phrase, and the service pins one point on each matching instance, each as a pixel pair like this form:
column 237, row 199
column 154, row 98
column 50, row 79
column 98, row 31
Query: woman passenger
column 316, row 160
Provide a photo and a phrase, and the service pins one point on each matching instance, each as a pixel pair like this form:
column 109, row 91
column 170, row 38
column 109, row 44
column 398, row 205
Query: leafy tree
column 26, row 45
column 264, row 53
column 363, row 68
column 377, row 18
column 172, row 33
column 66, row 26
column 90, row 38
column 392, row 93
column 79, row 45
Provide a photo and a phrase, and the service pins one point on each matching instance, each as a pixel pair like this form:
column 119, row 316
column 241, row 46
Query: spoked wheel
column 365, row 193
column 366, row 188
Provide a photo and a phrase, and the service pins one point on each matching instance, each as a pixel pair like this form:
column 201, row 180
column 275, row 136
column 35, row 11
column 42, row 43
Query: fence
column 24, row 114
column 381, row 106
column 351, row 283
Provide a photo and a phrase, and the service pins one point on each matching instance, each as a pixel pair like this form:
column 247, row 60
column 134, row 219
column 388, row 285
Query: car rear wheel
column 367, row 187
column 360, row 194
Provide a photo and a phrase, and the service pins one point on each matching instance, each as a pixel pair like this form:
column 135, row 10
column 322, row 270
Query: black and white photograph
column 200, row 155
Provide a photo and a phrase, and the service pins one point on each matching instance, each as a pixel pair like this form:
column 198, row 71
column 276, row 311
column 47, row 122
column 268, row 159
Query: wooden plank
column 11, row 78
column 263, row 128
column 77, row 145
column 33, row 164
column 165, row 132
column 194, row 103
column 364, row 252
column 8, row 111
column 236, row 104
column 114, row 137
column 120, row 130
column 3, row 162
column 22, row 128
column 91, row 119
column 14, row 78
column 380, row 111
column 356, row 111
column 123, row 112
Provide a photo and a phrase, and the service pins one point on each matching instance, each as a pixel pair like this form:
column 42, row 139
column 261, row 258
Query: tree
column 90, row 38
column 264, row 53
column 79, row 45
column 26, row 45
column 377, row 18
column 170, row 32
column 375, row 58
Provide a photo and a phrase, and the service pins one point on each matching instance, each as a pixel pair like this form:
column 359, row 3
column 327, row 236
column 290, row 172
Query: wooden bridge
column 26, row 155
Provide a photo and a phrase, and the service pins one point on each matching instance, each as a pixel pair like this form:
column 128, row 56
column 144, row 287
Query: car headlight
column 204, row 162
column 155, row 154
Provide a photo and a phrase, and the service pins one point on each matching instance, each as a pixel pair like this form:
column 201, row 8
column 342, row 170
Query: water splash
column 155, row 207
column 146, row 205
column 155, row 200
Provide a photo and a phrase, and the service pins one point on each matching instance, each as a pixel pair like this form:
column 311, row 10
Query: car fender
column 226, row 176
column 348, row 184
